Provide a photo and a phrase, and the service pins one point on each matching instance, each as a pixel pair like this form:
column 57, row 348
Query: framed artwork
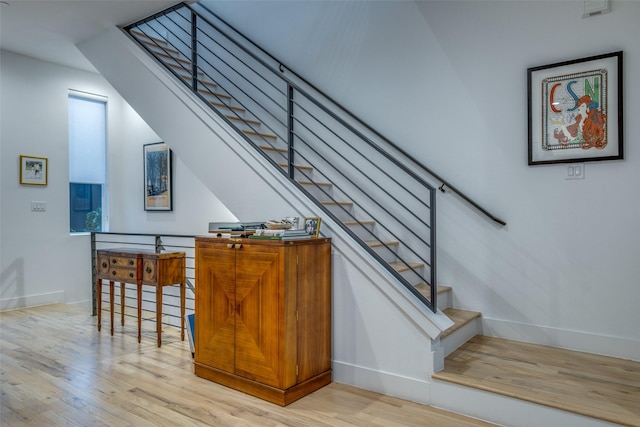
column 312, row 226
column 575, row 110
column 158, row 194
column 33, row 170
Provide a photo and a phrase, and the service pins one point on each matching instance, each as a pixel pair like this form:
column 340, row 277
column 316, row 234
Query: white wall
column 40, row 261
column 446, row 80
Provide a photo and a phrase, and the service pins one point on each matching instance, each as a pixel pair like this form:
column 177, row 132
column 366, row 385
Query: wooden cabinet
column 263, row 315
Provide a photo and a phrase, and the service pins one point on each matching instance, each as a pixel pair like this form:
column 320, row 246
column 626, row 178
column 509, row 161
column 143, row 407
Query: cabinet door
column 215, row 306
column 259, row 288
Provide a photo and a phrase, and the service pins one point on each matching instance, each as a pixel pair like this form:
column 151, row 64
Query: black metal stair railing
column 358, row 178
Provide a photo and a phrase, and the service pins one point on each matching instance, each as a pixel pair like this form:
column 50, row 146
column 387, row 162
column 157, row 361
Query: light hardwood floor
column 596, row 386
column 57, row 369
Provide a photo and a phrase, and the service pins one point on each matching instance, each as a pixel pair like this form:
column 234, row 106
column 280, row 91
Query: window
column 87, row 162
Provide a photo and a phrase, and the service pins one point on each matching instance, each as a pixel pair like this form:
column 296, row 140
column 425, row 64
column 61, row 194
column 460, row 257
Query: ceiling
column 50, row 29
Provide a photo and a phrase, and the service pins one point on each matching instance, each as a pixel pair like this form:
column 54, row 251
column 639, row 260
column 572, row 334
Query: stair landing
column 599, row 387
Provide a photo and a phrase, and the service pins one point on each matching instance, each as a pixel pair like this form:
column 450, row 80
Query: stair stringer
column 217, row 154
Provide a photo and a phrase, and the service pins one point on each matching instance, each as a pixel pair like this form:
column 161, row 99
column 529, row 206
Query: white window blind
column 87, row 138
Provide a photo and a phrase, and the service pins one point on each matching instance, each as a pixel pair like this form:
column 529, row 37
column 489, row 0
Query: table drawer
column 123, row 262
column 123, row 274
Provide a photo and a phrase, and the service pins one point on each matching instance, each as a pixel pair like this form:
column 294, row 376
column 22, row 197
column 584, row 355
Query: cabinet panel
column 215, row 307
column 258, row 341
column 314, row 317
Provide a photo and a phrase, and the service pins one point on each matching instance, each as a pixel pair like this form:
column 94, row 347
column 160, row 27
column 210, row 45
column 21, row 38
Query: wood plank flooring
column 57, row 369
column 596, row 386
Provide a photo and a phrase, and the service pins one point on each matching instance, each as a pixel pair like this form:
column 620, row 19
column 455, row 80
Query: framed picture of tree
column 158, row 193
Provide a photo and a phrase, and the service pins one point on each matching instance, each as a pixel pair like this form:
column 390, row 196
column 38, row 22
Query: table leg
column 139, row 312
column 99, row 302
column 122, row 303
column 182, row 304
column 111, row 303
column 159, row 313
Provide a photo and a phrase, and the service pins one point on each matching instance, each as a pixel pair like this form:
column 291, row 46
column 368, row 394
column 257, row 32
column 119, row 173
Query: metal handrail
column 444, row 183
column 302, row 141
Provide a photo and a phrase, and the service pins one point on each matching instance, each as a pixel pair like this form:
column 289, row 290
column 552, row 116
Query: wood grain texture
column 596, row 386
column 57, row 369
column 272, row 330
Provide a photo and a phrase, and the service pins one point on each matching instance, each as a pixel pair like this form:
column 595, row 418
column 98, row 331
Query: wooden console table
column 141, row 267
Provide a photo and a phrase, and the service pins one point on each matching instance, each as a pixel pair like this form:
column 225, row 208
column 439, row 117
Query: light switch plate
column 37, row 206
column 575, row 171
column 596, row 7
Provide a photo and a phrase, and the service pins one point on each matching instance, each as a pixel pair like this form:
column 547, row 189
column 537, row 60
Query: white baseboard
column 31, row 300
column 386, row 383
column 619, row 347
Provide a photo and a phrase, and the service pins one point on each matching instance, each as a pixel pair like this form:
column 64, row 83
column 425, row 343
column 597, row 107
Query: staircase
column 397, row 244
column 462, row 346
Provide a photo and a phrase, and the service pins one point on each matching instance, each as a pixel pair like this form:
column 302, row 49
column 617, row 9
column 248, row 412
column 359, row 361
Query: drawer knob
column 113, row 261
column 113, row 272
column 149, row 270
column 130, row 274
column 130, row 262
column 104, row 265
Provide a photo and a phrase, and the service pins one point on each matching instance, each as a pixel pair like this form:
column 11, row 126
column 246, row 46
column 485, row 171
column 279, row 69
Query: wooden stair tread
column 231, row 107
column 249, row 121
column 425, row 289
column 595, row 386
column 332, row 203
column 401, row 266
column 260, row 134
column 158, row 40
column 459, row 318
column 378, row 244
column 363, row 222
column 305, row 167
column 173, row 57
column 319, row 184
column 270, row 148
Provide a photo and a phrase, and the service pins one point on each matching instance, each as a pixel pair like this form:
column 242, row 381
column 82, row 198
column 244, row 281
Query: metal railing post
column 290, row 134
column 94, row 293
column 194, row 51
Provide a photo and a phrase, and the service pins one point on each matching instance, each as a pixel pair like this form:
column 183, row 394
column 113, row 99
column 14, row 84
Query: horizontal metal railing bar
column 369, row 128
column 377, row 257
column 358, row 169
column 365, row 210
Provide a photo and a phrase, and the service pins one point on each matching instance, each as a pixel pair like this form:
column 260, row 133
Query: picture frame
column 34, row 170
column 312, row 226
column 575, row 111
column 158, row 180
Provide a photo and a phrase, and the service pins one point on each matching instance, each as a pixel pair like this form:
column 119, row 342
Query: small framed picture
column 33, row 170
column 312, row 226
column 158, row 195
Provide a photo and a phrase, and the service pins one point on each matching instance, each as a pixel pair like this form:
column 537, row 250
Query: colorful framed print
column 158, row 194
column 575, row 110
column 33, row 170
